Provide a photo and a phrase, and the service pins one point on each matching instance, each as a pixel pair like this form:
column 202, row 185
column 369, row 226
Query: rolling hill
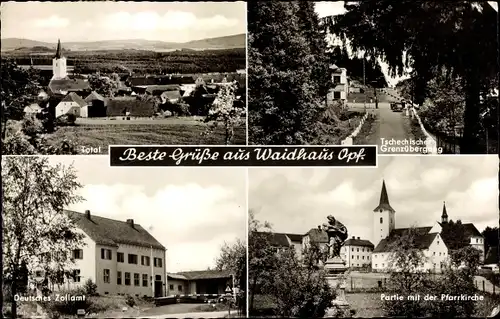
column 226, row 42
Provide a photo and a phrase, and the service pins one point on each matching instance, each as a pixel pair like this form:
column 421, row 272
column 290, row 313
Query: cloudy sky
column 294, row 200
column 191, row 211
column 94, row 21
column 337, row 7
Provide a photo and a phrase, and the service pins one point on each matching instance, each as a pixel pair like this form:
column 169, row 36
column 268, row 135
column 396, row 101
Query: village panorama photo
column 83, row 239
column 80, row 76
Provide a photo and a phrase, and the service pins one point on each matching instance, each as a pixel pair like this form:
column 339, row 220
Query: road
column 389, row 125
column 211, row 314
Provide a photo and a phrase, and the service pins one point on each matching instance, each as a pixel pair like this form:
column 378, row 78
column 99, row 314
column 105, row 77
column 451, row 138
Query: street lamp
column 229, row 296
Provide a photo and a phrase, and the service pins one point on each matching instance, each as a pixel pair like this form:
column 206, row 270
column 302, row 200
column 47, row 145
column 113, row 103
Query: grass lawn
column 365, row 135
column 141, row 134
column 366, row 305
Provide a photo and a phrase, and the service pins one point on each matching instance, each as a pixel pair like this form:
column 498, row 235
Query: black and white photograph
column 412, row 77
column 415, row 236
column 80, row 76
column 82, row 239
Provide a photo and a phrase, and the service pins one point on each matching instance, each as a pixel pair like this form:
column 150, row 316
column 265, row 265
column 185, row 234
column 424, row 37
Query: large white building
column 119, row 257
column 357, row 252
column 428, row 239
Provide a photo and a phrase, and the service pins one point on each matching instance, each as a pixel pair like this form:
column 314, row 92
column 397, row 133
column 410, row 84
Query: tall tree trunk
column 470, row 140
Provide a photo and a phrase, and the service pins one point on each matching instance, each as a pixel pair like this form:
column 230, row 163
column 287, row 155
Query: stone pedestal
column 336, row 272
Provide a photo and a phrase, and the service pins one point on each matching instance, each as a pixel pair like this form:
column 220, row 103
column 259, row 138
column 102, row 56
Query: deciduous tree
column 105, row 86
column 36, row 231
column 225, row 112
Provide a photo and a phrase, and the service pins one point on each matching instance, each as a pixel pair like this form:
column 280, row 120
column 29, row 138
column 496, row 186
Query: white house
column 70, row 104
column 33, row 109
column 341, row 85
column 357, row 252
column 120, row 257
column 428, row 239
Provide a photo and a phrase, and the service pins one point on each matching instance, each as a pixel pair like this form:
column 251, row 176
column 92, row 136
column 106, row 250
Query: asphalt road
column 389, row 125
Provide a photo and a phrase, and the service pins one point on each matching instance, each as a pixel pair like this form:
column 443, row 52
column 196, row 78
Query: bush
column 57, row 308
column 66, row 120
column 130, row 301
column 90, row 288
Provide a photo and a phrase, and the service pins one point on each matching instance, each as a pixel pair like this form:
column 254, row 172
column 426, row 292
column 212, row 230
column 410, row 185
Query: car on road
column 397, row 107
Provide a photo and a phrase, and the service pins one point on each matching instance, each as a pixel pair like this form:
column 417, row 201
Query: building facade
column 428, row 239
column 204, row 282
column 59, row 66
column 357, row 252
column 340, row 82
column 119, row 257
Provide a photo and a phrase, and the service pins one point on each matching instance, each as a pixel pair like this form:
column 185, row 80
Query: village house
column 121, row 258
column 341, row 85
column 71, row 104
column 357, row 252
column 33, row 109
column 120, row 107
column 96, row 106
column 204, row 282
column 428, row 239
column 170, row 97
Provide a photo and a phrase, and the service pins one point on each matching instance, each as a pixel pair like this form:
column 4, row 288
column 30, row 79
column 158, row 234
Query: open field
column 164, row 133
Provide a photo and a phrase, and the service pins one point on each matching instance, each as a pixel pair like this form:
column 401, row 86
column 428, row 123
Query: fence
column 365, row 283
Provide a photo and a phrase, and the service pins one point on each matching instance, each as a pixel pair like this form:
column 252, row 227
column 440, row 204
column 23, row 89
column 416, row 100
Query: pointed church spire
column 444, row 215
column 384, row 200
column 58, row 51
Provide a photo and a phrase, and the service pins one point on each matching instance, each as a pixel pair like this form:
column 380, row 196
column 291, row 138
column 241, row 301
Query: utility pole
column 364, row 82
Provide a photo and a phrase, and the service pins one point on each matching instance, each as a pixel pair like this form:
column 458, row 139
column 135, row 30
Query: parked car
column 397, row 107
column 490, row 268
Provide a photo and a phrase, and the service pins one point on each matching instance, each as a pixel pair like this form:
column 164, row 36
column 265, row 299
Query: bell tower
column 59, row 69
column 444, row 215
column 383, row 217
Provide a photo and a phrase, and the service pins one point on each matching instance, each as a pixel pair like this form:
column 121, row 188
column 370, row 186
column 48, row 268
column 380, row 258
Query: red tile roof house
column 121, row 257
column 71, row 104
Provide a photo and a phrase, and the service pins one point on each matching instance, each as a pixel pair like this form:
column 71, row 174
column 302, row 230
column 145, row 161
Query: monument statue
column 337, row 234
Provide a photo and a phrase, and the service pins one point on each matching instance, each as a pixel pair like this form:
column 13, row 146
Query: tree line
column 460, row 37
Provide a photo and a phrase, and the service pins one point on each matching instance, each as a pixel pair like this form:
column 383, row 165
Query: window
column 477, row 241
column 144, row 280
column 352, row 256
column 352, row 249
column 382, row 265
column 357, row 249
column 158, row 262
column 179, row 287
column 336, row 95
column 105, row 254
column 362, row 249
column 158, row 277
column 376, row 265
column 434, row 254
column 380, row 210
column 439, row 254
column 132, row 259
column 136, row 280
column 78, row 254
column 38, row 273
column 127, row 279
column 336, row 79
column 76, row 275
column 171, row 287
column 363, row 257
column 119, row 278
column 381, row 220
column 106, row 276
column 357, row 257
column 120, row 258
column 145, row 261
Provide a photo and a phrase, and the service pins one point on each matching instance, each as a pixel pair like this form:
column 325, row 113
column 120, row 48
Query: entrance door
column 158, row 288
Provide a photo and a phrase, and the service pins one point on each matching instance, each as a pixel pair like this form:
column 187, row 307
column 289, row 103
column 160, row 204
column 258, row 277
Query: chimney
column 130, row 222
column 87, row 214
column 358, row 238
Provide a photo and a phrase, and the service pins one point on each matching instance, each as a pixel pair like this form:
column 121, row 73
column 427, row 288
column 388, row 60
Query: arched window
column 381, row 220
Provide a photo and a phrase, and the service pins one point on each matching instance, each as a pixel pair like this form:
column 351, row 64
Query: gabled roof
column 423, row 239
column 68, row 85
column 73, row 97
column 384, row 200
column 358, row 242
column 200, row 275
column 276, row 239
column 469, row 228
column 94, row 96
column 295, row 237
column 317, row 235
column 171, row 95
column 110, row 232
column 32, row 108
column 162, row 88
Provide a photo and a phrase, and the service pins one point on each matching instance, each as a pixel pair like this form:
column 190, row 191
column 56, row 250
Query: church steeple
column 58, row 51
column 444, row 215
column 384, row 200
